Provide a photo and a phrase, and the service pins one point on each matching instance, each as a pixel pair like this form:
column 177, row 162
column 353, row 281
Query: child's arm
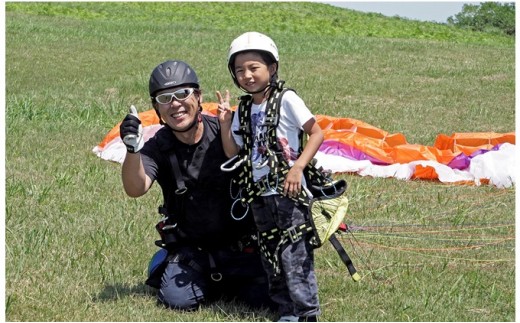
column 293, row 181
column 225, row 117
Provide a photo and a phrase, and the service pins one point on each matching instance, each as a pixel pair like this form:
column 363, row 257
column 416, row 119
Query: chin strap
column 265, row 89
column 273, row 83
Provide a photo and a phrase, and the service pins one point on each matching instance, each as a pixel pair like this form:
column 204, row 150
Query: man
column 210, row 252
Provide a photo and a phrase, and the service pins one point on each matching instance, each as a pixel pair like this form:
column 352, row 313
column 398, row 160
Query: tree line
column 493, row 17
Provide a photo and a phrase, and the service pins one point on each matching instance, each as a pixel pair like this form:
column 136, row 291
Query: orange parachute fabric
column 467, row 143
column 393, row 148
column 354, row 146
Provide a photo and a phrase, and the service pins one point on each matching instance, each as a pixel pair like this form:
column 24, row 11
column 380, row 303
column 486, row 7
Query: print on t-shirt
column 260, row 141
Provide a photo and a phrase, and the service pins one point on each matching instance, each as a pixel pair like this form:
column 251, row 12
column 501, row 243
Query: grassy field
column 77, row 247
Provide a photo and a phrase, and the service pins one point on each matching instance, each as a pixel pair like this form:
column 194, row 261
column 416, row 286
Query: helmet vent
column 172, row 73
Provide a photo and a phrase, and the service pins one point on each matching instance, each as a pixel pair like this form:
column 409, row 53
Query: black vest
column 203, row 211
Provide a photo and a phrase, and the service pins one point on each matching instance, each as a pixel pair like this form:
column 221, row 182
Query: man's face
column 178, row 107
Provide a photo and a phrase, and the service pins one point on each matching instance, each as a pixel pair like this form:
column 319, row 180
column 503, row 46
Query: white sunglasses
column 179, row 95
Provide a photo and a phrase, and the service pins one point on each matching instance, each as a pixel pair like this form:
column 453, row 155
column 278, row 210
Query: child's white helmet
column 251, row 41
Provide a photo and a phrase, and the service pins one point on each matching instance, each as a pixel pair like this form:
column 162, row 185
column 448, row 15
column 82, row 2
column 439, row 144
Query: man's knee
column 175, row 298
column 182, row 287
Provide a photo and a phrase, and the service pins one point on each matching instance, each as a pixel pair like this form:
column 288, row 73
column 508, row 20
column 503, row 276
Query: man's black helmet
column 171, row 74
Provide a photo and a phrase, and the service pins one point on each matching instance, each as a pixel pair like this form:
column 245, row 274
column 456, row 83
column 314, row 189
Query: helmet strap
column 265, row 89
column 158, row 115
column 272, row 83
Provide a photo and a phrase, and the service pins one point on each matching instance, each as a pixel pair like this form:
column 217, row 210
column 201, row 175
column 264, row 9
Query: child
column 253, row 64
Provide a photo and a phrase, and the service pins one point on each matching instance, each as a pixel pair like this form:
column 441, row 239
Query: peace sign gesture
column 225, row 114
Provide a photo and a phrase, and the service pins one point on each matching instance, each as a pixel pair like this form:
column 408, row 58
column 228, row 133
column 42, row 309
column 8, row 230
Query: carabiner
column 263, row 164
column 224, row 167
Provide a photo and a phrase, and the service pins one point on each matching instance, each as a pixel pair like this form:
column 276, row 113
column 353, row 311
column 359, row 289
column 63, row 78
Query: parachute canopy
column 353, row 146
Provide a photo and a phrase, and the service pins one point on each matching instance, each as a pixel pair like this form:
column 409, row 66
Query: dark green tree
column 487, row 16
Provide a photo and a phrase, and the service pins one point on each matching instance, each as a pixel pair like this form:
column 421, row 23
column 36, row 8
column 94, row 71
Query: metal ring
column 216, row 277
column 181, row 190
column 239, row 193
column 233, row 206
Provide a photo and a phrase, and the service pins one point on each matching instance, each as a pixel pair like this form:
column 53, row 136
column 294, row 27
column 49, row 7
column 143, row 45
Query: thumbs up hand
column 131, row 131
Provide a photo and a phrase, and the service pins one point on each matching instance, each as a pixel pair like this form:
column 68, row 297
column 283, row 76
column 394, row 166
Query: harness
column 279, row 167
column 172, row 236
column 319, row 183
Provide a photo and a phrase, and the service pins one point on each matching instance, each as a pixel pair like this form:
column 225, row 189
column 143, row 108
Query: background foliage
column 487, row 16
column 77, row 247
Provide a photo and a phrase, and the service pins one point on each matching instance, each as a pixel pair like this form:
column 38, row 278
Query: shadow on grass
column 229, row 309
column 115, row 292
column 232, row 311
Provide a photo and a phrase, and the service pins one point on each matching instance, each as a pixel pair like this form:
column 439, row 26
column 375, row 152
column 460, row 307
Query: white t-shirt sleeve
column 295, row 109
column 293, row 115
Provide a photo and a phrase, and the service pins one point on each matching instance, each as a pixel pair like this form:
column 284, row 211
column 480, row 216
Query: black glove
column 131, row 131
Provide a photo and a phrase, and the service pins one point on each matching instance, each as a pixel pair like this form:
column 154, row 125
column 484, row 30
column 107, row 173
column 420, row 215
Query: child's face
column 251, row 71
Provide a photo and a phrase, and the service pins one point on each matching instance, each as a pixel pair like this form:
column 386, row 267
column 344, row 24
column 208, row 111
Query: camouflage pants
column 295, row 289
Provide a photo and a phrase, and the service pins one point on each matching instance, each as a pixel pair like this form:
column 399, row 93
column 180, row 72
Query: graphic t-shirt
column 293, row 115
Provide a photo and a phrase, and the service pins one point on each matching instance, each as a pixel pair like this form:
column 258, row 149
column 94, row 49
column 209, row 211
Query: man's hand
column 131, row 131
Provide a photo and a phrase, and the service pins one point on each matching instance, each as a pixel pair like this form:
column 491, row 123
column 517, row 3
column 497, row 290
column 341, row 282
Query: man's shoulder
column 212, row 122
column 163, row 134
column 210, row 118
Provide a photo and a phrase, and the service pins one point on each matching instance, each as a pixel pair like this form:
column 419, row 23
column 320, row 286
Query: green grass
column 77, row 247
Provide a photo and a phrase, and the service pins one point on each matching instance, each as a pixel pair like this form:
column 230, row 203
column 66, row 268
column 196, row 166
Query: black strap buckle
column 262, row 184
column 243, row 130
column 270, row 121
column 293, row 234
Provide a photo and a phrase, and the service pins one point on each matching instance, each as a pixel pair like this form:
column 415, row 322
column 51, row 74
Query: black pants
column 187, row 282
